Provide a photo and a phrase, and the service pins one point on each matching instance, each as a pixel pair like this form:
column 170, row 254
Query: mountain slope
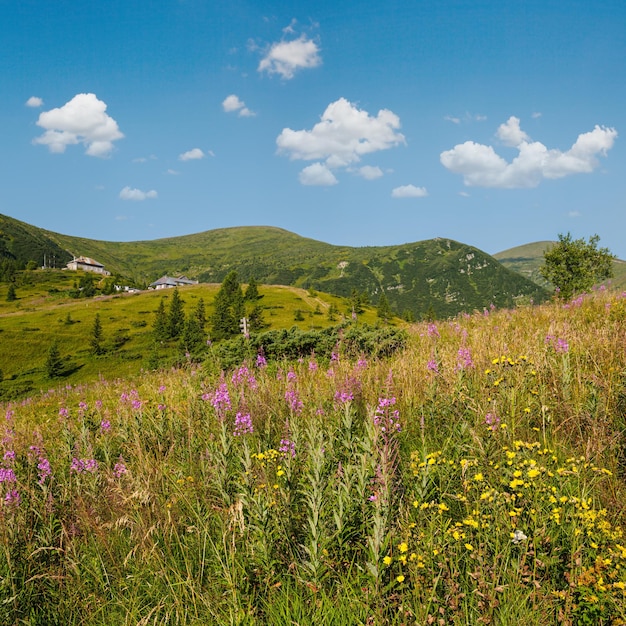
column 439, row 275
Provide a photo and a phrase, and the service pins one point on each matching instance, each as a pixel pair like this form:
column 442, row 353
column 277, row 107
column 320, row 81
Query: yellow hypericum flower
column 403, row 547
column 280, row 473
column 469, row 546
column 400, row 578
column 387, row 560
column 533, row 473
column 443, row 507
column 478, row 477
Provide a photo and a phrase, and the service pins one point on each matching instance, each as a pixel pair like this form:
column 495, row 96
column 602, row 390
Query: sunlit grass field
column 44, row 313
column 477, row 477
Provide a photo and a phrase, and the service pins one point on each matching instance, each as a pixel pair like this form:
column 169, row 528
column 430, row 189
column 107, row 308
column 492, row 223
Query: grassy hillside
column 527, row 259
column 439, row 276
column 44, row 312
column 476, row 477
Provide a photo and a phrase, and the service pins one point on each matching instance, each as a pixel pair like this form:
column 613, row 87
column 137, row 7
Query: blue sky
column 492, row 122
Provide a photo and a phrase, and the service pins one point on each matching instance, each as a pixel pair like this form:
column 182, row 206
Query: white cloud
column 370, row 172
column 482, row 167
column 317, row 174
column 136, row 194
column 464, row 194
column 191, row 155
column 574, row 214
column 454, row 120
column 34, row 102
column 81, row 120
column 409, row 191
column 344, row 134
column 536, row 115
column 287, row 57
column 510, row 133
column 232, row 103
column 172, row 172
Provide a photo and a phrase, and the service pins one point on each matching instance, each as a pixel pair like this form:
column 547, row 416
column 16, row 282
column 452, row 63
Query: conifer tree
column 159, row 328
column 175, row 316
column 95, row 340
column 252, row 292
column 200, row 314
column 54, row 363
column 228, row 308
column 11, row 295
column 383, row 310
column 192, row 337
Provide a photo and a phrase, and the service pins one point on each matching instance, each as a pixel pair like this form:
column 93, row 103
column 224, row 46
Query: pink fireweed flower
column 293, row 400
column 361, row 363
column 162, row 388
column 63, row 412
column 291, row 375
column 433, row 331
column 136, row 404
column 464, row 359
column 287, row 447
column 82, row 406
column 312, row 366
column 44, row 470
column 8, row 416
column 119, row 469
column 386, row 417
column 334, row 356
column 342, row 397
column 7, row 475
column 561, row 346
column 105, row 426
column 492, row 421
column 432, row 366
column 12, row 498
column 243, row 425
column 98, row 404
column 261, row 361
column 161, row 407
column 9, row 456
column 221, row 399
column 84, row 465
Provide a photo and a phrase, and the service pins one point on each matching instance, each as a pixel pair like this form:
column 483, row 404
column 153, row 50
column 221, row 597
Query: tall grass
column 476, row 478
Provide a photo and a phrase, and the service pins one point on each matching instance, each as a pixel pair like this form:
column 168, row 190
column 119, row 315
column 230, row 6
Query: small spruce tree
column 95, row 340
column 383, row 310
column 11, row 295
column 54, row 362
column 228, row 308
column 160, row 325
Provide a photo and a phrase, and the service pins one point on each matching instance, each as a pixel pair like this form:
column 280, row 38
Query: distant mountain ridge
column 528, row 258
column 437, row 276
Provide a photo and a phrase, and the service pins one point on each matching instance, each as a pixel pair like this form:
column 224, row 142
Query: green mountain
column 527, row 259
column 437, row 276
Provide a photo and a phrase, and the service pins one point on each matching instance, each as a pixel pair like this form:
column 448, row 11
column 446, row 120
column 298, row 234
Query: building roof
column 85, row 260
column 168, row 281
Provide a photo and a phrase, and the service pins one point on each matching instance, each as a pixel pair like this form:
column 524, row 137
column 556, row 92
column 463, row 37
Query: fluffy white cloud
column 344, row 134
column 287, row 57
column 81, row 120
column 34, row 102
column 317, row 174
column 409, row 191
column 191, row 155
column 510, row 133
column 370, row 172
column 136, row 194
column 480, row 166
column 232, row 103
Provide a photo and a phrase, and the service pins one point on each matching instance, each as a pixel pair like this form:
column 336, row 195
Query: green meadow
column 44, row 312
column 474, row 476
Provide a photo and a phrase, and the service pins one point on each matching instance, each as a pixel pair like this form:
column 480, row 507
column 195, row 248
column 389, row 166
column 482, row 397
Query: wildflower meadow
column 474, row 477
